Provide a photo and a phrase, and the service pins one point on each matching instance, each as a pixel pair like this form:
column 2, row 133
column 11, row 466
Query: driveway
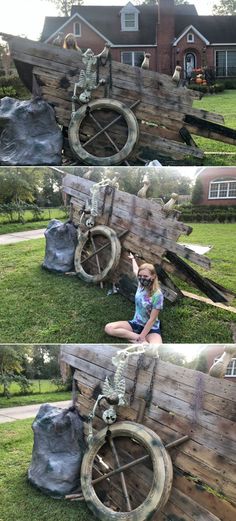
column 11, row 238
column 23, row 412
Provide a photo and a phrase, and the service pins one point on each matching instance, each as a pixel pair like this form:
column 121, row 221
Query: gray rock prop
column 61, row 241
column 29, row 134
column 57, row 451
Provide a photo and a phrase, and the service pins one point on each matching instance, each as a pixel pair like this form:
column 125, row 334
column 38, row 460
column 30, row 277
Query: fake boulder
column 61, row 241
column 29, row 134
column 57, row 451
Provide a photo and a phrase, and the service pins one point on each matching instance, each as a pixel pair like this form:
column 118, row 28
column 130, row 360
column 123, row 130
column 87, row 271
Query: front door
column 190, row 64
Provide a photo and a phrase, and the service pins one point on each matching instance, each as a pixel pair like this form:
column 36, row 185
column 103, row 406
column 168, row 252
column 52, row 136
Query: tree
column 12, row 359
column 64, row 6
column 44, row 361
column 197, row 192
column 181, row 2
column 19, row 185
column 153, row 2
column 225, row 7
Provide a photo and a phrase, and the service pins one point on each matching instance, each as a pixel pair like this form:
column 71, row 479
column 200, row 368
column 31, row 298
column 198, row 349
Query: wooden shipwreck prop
column 159, row 418
column 111, row 223
column 115, row 111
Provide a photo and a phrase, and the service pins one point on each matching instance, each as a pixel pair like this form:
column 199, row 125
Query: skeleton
column 92, row 208
column 113, row 391
column 88, row 78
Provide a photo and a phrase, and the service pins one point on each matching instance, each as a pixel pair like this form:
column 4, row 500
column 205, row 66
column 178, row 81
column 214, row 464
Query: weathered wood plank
column 202, row 467
column 217, row 505
column 152, row 102
column 191, row 466
column 190, row 507
column 199, row 298
column 204, row 285
column 218, row 387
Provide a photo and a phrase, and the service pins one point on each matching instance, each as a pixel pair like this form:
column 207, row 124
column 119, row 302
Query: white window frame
column 190, row 38
column 133, row 56
column 219, row 182
column 129, row 9
column 232, row 365
column 74, row 28
column 226, row 62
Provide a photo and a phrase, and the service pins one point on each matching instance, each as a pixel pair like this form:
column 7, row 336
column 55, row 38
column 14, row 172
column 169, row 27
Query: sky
column 26, row 17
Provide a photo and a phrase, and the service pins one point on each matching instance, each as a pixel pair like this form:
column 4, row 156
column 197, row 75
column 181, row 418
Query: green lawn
column 224, row 104
column 19, row 500
column 43, row 391
column 43, row 307
column 48, row 214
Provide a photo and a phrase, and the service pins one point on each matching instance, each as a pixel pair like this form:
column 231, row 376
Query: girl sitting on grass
column 145, row 325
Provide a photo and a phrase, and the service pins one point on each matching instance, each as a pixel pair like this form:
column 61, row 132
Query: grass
column 44, row 307
column 43, row 391
column 31, row 399
column 19, row 499
column 12, row 227
column 224, row 104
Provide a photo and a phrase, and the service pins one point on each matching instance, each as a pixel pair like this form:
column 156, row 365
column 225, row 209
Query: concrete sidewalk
column 11, row 238
column 23, row 412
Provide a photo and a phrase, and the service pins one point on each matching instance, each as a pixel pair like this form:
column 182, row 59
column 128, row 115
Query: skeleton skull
column 109, row 416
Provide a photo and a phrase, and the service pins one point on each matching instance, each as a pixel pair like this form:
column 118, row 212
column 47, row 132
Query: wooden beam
column 203, row 284
column 208, row 301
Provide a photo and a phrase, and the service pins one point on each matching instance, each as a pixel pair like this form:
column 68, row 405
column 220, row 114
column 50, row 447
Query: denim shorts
column 137, row 328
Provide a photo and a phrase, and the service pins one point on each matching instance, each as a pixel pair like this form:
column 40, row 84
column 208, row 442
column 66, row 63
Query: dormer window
column 190, row 38
column 77, row 29
column 129, row 18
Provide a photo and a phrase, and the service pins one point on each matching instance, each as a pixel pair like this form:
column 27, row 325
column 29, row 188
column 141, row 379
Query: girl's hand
column 131, row 256
column 141, row 338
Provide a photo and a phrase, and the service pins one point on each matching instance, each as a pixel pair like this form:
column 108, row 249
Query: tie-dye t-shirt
column 144, row 304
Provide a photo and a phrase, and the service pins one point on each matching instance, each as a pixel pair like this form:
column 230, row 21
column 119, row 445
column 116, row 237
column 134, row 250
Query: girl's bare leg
column 121, row 329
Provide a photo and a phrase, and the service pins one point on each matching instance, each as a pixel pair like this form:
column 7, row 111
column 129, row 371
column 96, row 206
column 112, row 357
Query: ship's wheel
column 103, row 133
column 97, row 254
column 126, row 474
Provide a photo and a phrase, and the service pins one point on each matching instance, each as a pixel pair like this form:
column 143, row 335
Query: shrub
column 230, row 84
column 219, row 87
column 17, row 89
column 199, row 88
column 61, row 385
column 7, row 91
column 208, row 214
column 208, row 89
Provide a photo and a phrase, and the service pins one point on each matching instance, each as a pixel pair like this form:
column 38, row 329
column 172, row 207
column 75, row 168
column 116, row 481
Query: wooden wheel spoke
column 97, row 259
column 122, row 477
column 120, row 469
column 102, row 130
column 95, row 252
column 118, row 147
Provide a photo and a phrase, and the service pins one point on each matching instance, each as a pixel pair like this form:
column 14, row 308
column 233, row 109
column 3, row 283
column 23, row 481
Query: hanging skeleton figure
column 88, row 78
column 113, row 391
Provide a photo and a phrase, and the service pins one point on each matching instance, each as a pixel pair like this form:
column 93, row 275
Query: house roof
column 216, row 29
column 106, row 19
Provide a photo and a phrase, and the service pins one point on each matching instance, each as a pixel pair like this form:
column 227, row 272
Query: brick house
column 172, row 34
column 219, row 186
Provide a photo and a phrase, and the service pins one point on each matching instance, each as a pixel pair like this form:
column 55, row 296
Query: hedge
column 208, row 89
column 208, row 214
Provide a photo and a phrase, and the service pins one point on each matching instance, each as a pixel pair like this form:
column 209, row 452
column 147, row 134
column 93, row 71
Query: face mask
column 146, row 283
